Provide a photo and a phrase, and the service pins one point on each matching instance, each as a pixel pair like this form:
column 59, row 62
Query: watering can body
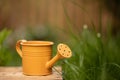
column 36, row 57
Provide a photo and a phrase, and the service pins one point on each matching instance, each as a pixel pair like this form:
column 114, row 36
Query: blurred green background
column 90, row 27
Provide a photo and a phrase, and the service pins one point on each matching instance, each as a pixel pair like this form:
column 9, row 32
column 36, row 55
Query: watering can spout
column 63, row 51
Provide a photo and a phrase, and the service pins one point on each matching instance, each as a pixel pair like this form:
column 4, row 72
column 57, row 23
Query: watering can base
column 37, row 71
column 37, row 74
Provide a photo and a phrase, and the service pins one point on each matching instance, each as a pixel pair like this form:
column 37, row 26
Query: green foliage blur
column 4, row 57
column 95, row 57
column 8, row 55
column 95, row 54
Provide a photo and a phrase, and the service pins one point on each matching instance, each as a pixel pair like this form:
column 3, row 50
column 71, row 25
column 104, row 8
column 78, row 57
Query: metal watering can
column 36, row 56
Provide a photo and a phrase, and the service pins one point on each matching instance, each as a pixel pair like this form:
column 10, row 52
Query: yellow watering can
column 36, row 56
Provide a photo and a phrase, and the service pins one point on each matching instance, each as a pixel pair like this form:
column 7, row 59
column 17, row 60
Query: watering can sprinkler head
column 63, row 51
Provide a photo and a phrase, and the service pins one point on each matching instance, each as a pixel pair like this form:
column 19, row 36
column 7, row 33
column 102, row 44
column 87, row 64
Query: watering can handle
column 18, row 47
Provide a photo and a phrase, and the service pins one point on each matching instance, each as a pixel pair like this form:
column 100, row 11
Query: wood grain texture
column 15, row 73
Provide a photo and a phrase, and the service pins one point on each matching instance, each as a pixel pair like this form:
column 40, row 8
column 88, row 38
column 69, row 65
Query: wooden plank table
column 15, row 73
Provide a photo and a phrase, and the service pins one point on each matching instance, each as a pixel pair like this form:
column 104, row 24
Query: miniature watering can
column 36, row 56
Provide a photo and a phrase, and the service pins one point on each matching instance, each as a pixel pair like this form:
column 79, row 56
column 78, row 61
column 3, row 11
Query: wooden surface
column 15, row 73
